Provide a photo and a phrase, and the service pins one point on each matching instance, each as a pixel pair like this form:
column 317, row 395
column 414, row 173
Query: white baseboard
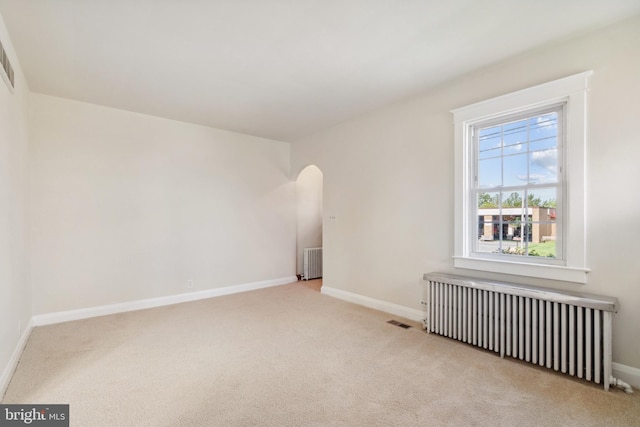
column 628, row 374
column 387, row 307
column 104, row 310
column 10, row 368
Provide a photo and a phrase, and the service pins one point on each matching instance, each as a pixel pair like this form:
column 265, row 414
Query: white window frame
column 572, row 91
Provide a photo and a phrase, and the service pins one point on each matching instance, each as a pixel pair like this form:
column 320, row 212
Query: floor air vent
column 400, row 324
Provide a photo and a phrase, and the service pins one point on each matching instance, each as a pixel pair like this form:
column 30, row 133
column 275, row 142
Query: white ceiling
column 280, row 69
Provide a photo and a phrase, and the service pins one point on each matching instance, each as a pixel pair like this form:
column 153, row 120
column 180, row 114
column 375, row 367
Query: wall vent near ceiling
column 7, row 69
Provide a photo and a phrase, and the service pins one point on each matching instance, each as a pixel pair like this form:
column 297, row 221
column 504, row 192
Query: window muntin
column 516, row 191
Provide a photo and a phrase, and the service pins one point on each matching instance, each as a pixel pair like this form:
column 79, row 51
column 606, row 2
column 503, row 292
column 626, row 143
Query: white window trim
column 573, row 91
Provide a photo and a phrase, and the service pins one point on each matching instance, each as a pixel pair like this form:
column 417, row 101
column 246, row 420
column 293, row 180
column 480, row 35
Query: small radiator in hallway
column 312, row 263
column 564, row 331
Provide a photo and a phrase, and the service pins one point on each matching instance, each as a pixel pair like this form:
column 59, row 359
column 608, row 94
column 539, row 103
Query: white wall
column 126, row 206
column 309, row 207
column 15, row 294
column 388, row 180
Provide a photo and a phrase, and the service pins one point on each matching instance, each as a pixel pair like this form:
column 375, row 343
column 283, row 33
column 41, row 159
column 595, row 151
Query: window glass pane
column 546, row 249
column 512, row 199
column 494, row 152
column 487, row 239
column 513, row 228
column 513, row 215
column 490, row 138
column 490, row 172
column 515, row 170
column 512, row 247
column 543, row 166
column 515, row 148
column 543, row 126
column 542, row 197
column 489, row 200
column 543, row 144
column 488, row 221
column 543, row 222
column 487, row 230
column 515, row 136
column 488, row 211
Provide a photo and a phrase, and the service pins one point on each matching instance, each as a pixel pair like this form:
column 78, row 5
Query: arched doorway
column 309, row 213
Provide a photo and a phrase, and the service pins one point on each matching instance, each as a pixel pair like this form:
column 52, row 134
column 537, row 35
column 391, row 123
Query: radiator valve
column 616, row 382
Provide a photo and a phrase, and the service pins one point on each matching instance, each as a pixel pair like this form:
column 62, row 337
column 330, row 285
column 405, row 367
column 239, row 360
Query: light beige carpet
column 289, row 356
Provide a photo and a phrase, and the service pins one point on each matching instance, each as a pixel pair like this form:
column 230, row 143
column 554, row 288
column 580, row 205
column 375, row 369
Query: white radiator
column 312, row 263
column 564, row 331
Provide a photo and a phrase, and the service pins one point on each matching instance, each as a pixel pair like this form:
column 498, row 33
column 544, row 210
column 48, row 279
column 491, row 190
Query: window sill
column 553, row 272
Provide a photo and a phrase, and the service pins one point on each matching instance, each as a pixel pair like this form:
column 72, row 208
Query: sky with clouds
column 522, row 152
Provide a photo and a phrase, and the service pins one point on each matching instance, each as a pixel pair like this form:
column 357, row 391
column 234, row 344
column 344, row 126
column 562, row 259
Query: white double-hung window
column 520, row 182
